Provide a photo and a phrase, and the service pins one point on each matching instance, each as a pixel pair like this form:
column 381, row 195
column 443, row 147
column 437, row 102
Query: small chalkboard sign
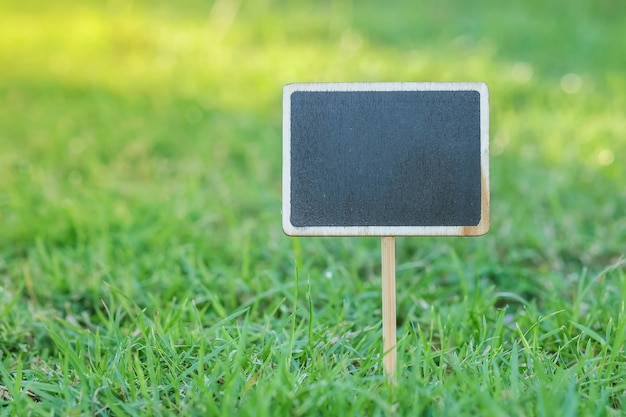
column 385, row 159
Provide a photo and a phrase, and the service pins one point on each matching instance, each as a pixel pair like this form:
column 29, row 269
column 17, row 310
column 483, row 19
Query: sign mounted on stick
column 385, row 159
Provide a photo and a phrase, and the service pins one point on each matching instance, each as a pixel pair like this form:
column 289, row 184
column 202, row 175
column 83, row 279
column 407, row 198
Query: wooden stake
column 388, row 253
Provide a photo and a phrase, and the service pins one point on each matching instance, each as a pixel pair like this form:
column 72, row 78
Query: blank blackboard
column 385, row 159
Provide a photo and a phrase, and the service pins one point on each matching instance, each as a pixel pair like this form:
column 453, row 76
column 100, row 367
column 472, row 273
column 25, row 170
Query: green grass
column 143, row 270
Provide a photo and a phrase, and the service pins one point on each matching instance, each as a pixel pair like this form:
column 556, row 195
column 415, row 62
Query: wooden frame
column 395, row 230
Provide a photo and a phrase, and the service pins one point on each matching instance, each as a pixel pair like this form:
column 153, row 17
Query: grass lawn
column 143, row 269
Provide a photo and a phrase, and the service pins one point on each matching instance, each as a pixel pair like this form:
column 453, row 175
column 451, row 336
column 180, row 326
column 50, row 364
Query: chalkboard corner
column 288, row 228
column 481, row 229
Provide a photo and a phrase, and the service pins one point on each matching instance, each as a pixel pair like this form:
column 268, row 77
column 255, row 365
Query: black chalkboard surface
column 385, row 159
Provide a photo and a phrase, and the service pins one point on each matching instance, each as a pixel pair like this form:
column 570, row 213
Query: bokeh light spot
column 522, row 72
column 606, row 157
column 571, row 83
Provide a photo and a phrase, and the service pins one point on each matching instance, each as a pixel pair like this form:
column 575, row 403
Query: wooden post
column 388, row 252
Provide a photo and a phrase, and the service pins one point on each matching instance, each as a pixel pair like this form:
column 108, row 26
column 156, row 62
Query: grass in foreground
column 142, row 266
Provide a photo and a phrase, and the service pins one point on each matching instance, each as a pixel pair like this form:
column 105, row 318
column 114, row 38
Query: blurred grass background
column 122, row 113
column 140, row 155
